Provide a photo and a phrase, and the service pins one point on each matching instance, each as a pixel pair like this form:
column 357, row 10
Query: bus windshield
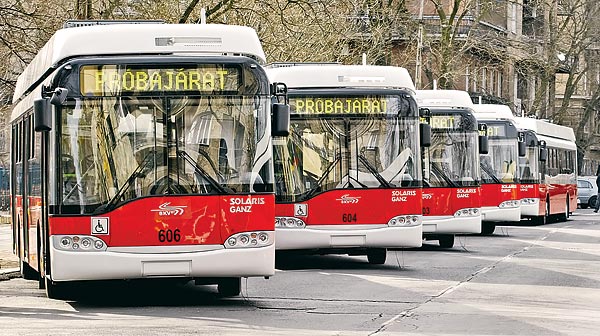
column 529, row 166
column 452, row 159
column 500, row 164
column 343, row 150
column 116, row 149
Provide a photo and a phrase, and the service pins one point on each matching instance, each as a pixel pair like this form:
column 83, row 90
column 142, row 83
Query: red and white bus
column 500, row 199
column 451, row 179
column 548, row 170
column 144, row 151
column 348, row 178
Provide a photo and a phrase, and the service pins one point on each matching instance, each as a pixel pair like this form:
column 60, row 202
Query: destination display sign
column 444, row 121
column 105, row 79
column 497, row 130
column 342, row 105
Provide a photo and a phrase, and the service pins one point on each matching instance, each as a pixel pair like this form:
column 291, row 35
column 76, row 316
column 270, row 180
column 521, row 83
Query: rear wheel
column 28, row 272
column 376, row 256
column 229, row 287
column 446, row 241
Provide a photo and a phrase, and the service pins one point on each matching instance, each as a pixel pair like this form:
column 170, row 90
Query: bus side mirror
column 42, row 115
column 425, row 134
column 543, row 154
column 280, row 123
column 522, row 148
column 484, row 146
column 59, row 96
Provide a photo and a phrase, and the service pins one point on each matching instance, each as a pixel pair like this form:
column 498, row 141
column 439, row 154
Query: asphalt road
column 522, row 281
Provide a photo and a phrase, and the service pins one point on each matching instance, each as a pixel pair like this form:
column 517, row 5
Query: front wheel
column 487, row 228
column 56, row 290
column 376, row 256
column 229, row 287
column 446, row 241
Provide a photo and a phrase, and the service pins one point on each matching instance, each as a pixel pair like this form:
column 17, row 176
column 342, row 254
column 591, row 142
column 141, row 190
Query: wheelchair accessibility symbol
column 100, row 225
column 300, row 210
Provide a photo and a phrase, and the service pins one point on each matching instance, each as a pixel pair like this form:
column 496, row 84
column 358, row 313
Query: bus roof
column 138, row 39
column 444, row 98
column 493, row 112
column 341, row 76
column 546, row 128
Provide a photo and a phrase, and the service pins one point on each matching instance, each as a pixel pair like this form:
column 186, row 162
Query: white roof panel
column 546, row 128
column 444, row 98
column 141, row 39
column 492, row 112
column 339, row 76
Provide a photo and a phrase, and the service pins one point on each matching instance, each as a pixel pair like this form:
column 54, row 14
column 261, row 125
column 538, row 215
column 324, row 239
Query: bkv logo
column 166, row 209
column 347, row 199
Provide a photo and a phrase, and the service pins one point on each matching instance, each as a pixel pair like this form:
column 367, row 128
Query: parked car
column 587, row 191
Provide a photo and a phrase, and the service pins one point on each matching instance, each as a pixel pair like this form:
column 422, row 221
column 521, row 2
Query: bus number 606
column 169, row 236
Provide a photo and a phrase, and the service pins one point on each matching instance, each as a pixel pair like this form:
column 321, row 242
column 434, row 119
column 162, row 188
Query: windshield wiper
column 328, row 170
column 220, row 188
column 444, row 176
column 490, row 172
column 374, row 172
column 135, row 174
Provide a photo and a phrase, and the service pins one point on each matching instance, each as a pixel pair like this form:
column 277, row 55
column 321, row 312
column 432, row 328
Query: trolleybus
column 549, row 170
column 452, row 183
column 500, row 200
column 348, row 178
column 144, row 151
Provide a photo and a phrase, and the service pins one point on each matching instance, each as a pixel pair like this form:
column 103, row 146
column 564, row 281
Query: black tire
column 229, row 287
column 446, row 241
column 487, row 229
column 376, row 256
column 592, row 201
column 28, row 272
column 56, row 291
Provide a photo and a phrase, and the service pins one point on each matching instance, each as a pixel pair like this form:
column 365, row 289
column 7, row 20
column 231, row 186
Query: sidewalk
column 9, row 263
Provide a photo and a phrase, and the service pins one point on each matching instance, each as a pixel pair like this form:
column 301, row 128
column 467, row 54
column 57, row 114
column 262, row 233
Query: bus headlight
column 467, row 212
column 289, row 222
column 249, row 239
column 510, row 204
column 404, row 221
column 78, row 243
column 530, row 201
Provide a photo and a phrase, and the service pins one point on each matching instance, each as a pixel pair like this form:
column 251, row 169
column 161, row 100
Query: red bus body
column 553, row 191
column 348, row 177
column 452, row 181
column 147, row 159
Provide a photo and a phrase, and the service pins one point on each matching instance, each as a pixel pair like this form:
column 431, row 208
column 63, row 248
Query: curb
column 9, row 273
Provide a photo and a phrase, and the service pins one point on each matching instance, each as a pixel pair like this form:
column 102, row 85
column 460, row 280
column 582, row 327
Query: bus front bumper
column 132, row 264
column 451, row 224
column 496, row 214
column 348, row 236
column 530, row 210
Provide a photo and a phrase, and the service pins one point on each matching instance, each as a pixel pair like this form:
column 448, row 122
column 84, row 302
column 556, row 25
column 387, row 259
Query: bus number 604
column 169, row 236
column 348, row 218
